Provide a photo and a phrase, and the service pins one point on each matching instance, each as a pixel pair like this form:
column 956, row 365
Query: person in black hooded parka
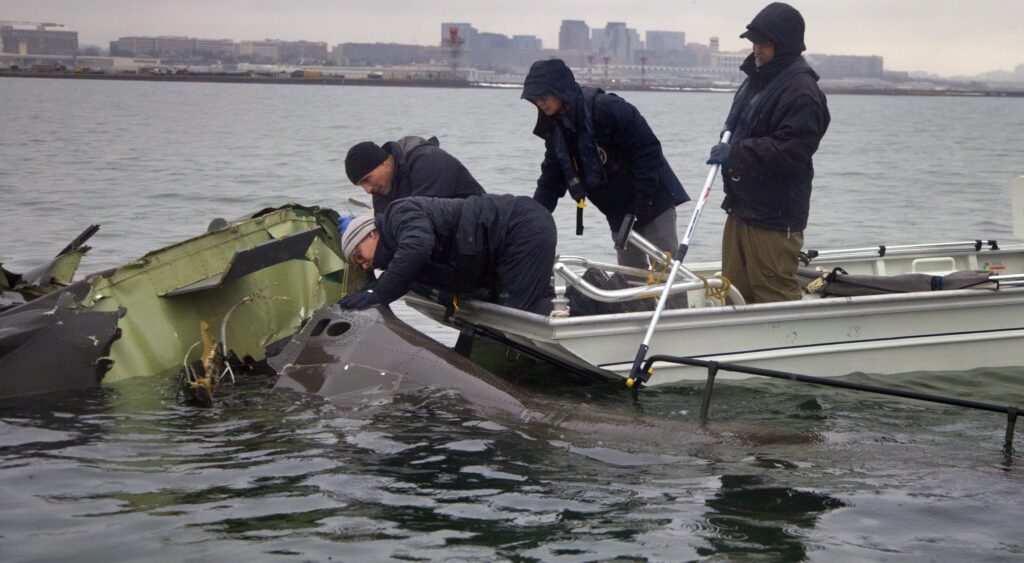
column 599, row 147
column 777, row 120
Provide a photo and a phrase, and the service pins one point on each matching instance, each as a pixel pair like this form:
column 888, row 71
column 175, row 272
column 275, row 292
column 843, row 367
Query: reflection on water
column 750, row 516
column 778, row 476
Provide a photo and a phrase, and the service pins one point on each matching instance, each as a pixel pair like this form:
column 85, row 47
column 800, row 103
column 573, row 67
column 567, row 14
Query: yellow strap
column 721, row 293
column 651, row 278
column 581, row 202
column 455, row 302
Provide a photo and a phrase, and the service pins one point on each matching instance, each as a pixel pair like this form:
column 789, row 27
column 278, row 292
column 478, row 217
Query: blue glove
column 360, row 300
column 719, row 154
column 343, row 224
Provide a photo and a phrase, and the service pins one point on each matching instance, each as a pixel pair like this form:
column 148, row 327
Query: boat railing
column 1011, row 411
column 584, row 263
column 690, row 283
column 883, row 250
column 1009, row 280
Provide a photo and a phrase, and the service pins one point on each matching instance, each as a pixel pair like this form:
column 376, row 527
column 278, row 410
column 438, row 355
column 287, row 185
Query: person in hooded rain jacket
column 500, row 245
column 599, row 148
column 777, row 120
column 410, row 166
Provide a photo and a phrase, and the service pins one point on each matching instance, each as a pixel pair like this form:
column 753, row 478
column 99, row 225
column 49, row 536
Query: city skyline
column 908, row 34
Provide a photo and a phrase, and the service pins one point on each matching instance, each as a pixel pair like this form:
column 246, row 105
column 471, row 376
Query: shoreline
column 412, row 83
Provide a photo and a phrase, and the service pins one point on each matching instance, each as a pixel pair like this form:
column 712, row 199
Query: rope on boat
column 655, row 276
column 718, row 293
column 713, row 368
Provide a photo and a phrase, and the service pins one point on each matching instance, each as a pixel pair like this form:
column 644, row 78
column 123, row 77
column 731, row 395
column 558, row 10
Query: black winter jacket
column 443, row 243
column 768, row 175
column 603, row 142
column 422, row 168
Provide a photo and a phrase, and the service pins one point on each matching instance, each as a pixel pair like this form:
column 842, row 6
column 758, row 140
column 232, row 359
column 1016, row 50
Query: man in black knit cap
column 410, row 166
column 777, row 120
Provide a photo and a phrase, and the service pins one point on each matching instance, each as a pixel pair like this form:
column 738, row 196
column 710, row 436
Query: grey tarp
column 841, row 284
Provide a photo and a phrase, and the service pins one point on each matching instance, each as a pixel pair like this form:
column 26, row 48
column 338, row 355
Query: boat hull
column 881, row 334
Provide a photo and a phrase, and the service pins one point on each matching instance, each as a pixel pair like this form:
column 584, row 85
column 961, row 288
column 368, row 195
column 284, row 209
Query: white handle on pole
column 705, row 193
column 677, row 261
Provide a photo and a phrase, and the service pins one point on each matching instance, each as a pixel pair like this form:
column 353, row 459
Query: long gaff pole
column 677, row 260
column 704, row 195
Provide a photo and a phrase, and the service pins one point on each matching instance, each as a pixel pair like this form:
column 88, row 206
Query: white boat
column 898, row 330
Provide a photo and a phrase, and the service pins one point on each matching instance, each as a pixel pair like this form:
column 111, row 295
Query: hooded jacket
column 442, row 243
column 600, row 147
column 422, row 168
column 778, row 117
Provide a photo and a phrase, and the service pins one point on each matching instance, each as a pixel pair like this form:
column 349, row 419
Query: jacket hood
column 405, row 145
column 783, row 25
column 550, row 76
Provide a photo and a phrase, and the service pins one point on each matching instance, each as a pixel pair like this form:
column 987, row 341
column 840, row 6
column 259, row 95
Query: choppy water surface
column 780, row 472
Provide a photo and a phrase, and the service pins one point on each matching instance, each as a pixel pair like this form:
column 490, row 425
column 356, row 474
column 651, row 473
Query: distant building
column 288, row 52
column 266, row 51
column 617, row 42
column 665, row 41
column 596, row 39
column 302, row 52
column 25, row 38
column 527, row 43
column 731, row 61
column 381, row 54
column 173, row 47
column 846, row 66
column 485, row 40
column 574, row 37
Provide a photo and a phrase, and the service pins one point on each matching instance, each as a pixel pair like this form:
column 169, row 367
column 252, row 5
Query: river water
column 780, row 472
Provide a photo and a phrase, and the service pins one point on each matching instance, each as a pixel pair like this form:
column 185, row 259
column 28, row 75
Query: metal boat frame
column 890, row 333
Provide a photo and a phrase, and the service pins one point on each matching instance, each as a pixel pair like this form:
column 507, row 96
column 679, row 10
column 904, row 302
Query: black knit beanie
column 362, row 159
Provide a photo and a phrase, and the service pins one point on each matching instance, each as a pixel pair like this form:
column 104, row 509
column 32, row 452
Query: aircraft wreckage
column 257, row 293
column 223, row 297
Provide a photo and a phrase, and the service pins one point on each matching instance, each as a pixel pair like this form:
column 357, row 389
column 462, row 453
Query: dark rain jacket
column 442, row 243
column 422, row 168
column 778, row 118
column 600, row 148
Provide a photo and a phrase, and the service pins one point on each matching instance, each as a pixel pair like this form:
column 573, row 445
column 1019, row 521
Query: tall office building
column 617, row 42
column 597, row 40
column 527, row 43
column 574, row 36
column 666, row 41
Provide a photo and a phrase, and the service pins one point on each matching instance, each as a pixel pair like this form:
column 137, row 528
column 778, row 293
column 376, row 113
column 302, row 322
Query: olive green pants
column 761, row 263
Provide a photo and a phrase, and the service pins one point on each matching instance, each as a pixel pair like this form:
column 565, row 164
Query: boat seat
column 837, row 283
column 938, row 266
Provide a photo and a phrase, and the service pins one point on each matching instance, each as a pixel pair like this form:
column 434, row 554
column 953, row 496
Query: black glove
column 642, row 209
column 720, row 154
column 444, row 297
column 360, row 300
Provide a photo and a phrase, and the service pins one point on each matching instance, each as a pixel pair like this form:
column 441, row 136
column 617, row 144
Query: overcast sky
column 948, row 37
